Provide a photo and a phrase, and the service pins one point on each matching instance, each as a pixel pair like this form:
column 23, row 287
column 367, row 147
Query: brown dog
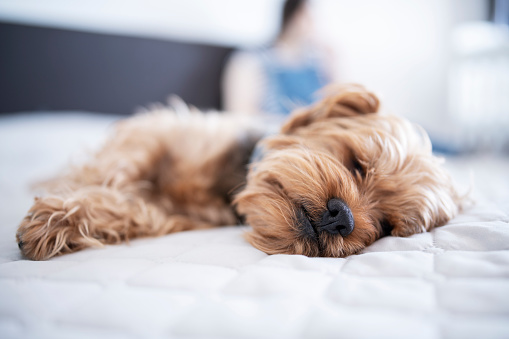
column 337, row 178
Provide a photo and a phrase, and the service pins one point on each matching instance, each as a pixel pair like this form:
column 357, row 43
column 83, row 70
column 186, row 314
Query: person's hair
column 290, row 8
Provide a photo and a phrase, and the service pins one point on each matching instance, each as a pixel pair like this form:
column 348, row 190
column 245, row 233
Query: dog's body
column 337, row 177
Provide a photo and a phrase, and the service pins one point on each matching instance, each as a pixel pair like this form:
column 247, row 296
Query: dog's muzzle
column 337, row 219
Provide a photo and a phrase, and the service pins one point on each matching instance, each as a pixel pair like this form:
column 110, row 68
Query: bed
column 452, row 282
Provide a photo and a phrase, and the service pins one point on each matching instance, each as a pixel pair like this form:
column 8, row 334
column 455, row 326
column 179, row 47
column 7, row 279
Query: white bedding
column 452, row 282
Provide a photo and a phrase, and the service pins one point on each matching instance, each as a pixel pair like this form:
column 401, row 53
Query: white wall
column 399, row 48
column 231, row 22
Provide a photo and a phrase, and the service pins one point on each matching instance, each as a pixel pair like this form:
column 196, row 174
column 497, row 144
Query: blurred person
column 287, row 74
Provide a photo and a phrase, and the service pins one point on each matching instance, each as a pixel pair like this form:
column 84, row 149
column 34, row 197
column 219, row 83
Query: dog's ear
column 339, row 101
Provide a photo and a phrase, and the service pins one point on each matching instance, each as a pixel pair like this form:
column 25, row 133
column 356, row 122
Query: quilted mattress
column 452, row 282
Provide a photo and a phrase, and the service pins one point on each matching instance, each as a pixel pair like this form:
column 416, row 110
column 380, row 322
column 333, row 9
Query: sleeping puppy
column 340, row 176
column 335, row 179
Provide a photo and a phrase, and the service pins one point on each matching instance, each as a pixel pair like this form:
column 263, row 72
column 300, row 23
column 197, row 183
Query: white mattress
column 450, row 283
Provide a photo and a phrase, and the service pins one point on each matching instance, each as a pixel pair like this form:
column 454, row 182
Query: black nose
column 337, row 218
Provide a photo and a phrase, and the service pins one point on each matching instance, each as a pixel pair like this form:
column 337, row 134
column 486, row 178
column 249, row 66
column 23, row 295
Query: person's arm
column 243, row 84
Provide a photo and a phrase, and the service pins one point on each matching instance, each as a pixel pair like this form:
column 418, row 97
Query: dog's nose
column 337, row 219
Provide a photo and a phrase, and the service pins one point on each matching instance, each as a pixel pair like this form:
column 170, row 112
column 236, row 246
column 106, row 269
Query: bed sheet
column 452, row 282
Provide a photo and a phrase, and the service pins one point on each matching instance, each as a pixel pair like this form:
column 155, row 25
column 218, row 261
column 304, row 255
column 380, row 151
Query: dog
column 338, row 176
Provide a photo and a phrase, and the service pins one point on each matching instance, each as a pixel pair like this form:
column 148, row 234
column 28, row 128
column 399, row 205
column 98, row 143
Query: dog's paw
column 406, row 228
column 402, row 232
column 47, row 230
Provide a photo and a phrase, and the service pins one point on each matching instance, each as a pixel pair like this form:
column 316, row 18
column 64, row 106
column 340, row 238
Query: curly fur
column 161, row 173
column 381, row 166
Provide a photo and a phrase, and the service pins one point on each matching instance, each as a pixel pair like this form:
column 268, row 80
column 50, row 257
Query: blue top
column 290, row 86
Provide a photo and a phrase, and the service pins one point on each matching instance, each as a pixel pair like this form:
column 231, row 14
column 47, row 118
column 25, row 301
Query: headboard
column 54, row 69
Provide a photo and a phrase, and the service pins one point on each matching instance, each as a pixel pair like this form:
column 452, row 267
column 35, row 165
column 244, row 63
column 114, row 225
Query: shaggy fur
column 161, row 173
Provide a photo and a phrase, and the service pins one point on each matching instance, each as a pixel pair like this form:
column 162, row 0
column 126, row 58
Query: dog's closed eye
column 357, row 168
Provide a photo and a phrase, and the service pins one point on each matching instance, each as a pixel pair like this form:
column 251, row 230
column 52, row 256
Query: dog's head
column 340, row 176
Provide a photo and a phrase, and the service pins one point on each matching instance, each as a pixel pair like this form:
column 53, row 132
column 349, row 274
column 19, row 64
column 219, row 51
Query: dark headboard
column 54, row 69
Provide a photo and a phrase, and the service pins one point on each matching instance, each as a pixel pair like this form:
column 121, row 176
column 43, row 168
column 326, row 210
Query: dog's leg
column 92, row 216
column 112, row 198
